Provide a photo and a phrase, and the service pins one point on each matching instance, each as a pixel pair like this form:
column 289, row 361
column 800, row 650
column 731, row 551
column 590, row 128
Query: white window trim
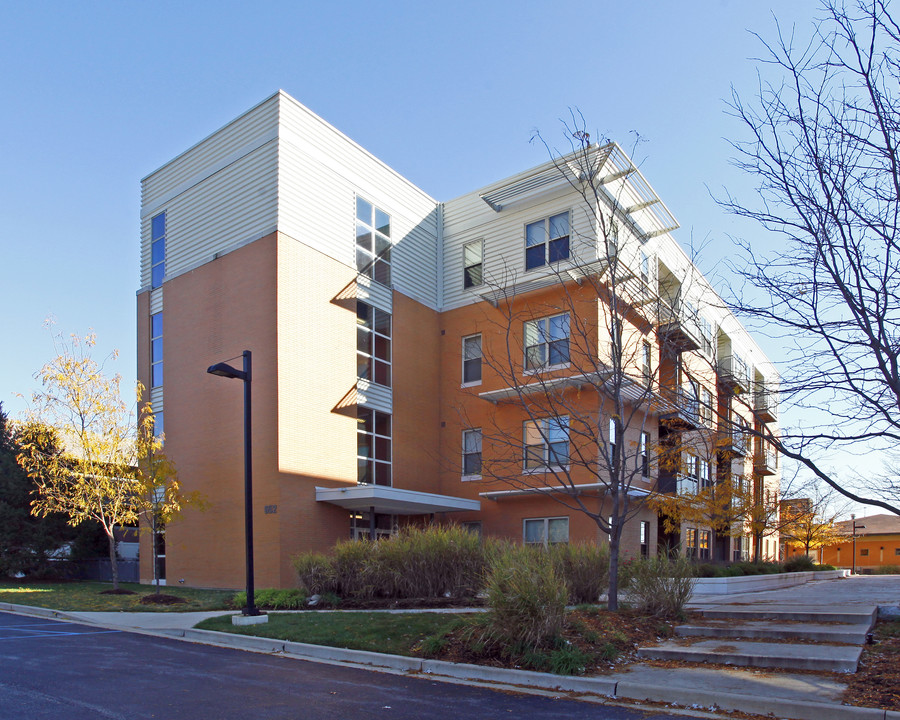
column 463, row 476
column 480, row 241
column 545, row 368
column 547, row 262
column 546, row 522
column 462, row 361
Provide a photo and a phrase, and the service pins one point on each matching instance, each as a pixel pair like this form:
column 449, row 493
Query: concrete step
column 771, row 630
column 851, row 615
column 791, row 656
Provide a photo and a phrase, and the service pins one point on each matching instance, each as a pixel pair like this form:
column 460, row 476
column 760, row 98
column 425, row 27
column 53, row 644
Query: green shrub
column 824, row 566
column 274, row 599
column 710, row 570
column 584, row 568
column 353, row 569
column 569, row 661
column 526, row 598
column 661, row 587
column 887, row 570
column 799, row 563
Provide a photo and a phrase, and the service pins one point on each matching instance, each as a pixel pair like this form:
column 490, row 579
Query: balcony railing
column 734, row 441
column 734, row 373
column 765, row 460
column 686, row 485
column 679, row 329
column 765, row 405
column 686, row 408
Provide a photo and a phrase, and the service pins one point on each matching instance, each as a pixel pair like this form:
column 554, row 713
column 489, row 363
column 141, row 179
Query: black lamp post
column 225, row 370
column 855, row 528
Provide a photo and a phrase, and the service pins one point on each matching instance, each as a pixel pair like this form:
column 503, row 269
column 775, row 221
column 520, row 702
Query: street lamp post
column 225, row 370
column 855, row 528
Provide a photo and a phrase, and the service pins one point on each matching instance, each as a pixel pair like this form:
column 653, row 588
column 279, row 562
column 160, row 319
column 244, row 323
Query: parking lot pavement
column 54, row 669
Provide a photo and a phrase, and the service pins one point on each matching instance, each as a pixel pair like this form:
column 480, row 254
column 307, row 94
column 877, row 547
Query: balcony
column 679, row 329
column 734, row 442
column 683, row 412
column 765, row 405
column 765, row 460
column 686, row 485
column 734, row 373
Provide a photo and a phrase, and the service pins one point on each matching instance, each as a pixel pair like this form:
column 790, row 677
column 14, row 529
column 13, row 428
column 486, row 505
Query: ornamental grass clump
column 584, row 568
column 526, row 598
column 661, row 587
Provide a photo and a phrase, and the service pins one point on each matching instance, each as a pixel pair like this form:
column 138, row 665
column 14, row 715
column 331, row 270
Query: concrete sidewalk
column 783, row 694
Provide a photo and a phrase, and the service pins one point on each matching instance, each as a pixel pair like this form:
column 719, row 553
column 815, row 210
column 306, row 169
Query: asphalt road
column 51, row 669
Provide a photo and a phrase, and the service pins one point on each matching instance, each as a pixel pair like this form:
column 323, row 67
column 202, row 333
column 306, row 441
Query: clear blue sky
column 98, row 94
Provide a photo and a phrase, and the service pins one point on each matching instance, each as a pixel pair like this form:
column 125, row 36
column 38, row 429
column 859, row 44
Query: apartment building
column 417, row 360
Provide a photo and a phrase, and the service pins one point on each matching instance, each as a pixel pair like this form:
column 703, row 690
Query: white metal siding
column 375, row 396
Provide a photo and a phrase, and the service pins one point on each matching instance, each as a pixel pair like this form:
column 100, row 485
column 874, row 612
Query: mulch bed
column 161, row 599
column 120, row 591
column 877, row 682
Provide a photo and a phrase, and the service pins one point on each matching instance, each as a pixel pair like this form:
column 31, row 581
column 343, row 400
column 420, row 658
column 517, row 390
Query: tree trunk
column 613, row 602
column 114, row 568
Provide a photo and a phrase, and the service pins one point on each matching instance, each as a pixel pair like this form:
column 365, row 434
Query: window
column 547, row 342
column 707, row 338
column 704, row 544
column 706, row 406
column 645, row 538
column 373, row 344
column 897, row 551
column 158, row 427
column 157, row 250
column 615, row 338
column 613, row 442
column 373, row 242
column 156, row 350
column 373, row 447
column 704, row 476
column 546, row 443
column 546, row 531
column 547, row 241
column 646, row 366
column 471, row 360
column 864, row 552
column 690, row 542
column 645, row 454
column 472, row 527
column 473, row 254
column 471, row 447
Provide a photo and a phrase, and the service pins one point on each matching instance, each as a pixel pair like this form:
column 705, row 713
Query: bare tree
column 576, row 357
column 823, row 147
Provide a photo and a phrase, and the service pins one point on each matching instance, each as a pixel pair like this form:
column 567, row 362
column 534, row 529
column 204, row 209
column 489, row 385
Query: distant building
column 877, row 543
column 368, row 309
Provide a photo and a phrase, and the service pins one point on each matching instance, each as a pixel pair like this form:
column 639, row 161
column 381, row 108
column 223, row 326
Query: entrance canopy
column 392, row 501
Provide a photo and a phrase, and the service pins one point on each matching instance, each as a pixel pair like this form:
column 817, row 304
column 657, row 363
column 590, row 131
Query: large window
column 547, row 342
column 546, row 443
column 157, row 250
column 471, row 360
column 373, row 446
column 545, row 531
column 473, row 256
column 547, row 241
column 373, row 242
column 156, row 350
column 471, row 447
column 373, row 344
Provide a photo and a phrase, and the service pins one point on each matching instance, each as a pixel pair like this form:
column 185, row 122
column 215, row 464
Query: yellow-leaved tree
column 79, row 444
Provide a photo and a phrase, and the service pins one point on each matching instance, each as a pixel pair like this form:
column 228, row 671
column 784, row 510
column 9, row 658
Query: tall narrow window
column 707, row 337
column 472, row 452
column 547, row 241
column 645, row 538
column 706, row 406
column 473, row 253
column 373, row 446
column 645, row 454
column 646, row 366
column 156, row 350
column 704, row 475
column 373, row 242
column 547, row 342
column 613, row 442
column 471, row 360
column 157, row 250
column 373, row 344
column 546, row 443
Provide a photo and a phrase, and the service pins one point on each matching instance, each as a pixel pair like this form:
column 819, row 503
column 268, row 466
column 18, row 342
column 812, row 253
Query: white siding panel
column 156, row 399
column 374, row 294
column 321, row 171
column 156, row 300
column 198, row 161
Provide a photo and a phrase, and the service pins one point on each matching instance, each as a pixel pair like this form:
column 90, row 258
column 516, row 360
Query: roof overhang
column 393, row 501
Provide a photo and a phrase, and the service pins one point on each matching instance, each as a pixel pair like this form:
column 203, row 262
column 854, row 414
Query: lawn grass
column 393, row 633
column 86, row 597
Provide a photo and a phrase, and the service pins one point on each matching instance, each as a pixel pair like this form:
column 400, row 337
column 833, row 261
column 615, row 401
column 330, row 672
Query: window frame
column 158, row 265
column 156, row 345
column 467, row 282
column 547, row 242
column 378, row 264
column 644, row 453
column 543, row 330
column 466, row 453
column 545, row 533
column 372, row 459
column 465, row 360
column 543, row 429
column 370, row 328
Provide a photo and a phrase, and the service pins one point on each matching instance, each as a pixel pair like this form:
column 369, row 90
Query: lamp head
column 225, row 370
